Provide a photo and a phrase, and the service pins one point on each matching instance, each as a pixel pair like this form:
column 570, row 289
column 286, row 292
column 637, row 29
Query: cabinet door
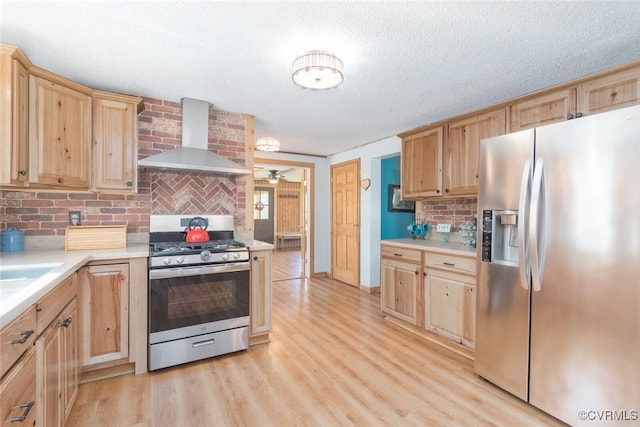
column 462, row 147
column 399, row 290
column 104, row 314
column 421, row 159
column 59, row 135
column 545, row 109
column 610, row 92
column 115, row 148
column 260, row 299
column 451, row 306
column 18, row 391
column 70, row 357
column 48, row 375
column 14, row 115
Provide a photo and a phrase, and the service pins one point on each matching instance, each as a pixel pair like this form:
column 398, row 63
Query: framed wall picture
column 395, row 202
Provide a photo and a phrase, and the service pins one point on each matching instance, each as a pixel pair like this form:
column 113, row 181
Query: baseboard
column 259, row 339
column 431, row 337
column 320, row 275
column 373, row 290
column 110, row 372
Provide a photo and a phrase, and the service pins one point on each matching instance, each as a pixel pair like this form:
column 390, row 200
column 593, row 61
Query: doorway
column 345, row 222
column 283, row 215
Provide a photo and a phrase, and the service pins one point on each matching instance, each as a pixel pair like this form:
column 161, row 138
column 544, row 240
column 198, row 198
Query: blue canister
column 12, row 240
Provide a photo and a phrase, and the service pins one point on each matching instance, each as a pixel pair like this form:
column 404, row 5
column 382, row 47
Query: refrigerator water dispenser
column 500, row 237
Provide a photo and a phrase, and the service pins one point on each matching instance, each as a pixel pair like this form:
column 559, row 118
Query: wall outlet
column 75, row 218
column 443, row 228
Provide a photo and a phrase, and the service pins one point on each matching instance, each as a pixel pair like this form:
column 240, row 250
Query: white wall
column 370, row 156
column 322, row 217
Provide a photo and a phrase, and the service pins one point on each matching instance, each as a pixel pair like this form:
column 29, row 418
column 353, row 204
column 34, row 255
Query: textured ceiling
column 406, row 63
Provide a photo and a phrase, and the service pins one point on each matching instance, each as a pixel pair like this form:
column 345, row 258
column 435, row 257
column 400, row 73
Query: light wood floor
column 333, row 361
column 285, row 264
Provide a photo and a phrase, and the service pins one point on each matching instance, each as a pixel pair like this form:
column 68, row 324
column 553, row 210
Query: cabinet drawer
column 18, row 391
column 394, row 252
column 16, row 338
column 450, row 263
column 50, row 306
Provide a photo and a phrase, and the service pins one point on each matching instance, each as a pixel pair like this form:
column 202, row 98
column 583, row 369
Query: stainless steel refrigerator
column 558, row 294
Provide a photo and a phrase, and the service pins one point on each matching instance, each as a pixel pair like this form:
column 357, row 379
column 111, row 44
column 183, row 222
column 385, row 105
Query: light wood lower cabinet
column 104, row 315
column 451, row 305
column 57, row 362
column 18, row 391
column 260, row 296
column 399, row 293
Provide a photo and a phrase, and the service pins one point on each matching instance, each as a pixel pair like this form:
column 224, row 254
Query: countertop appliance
column 558, row 296
column 198, row 292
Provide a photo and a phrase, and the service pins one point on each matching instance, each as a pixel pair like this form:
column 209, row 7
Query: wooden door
column 421, row 164
column 59, row 135
column 104, row 318
column 345, row 222
column 48, row 378
column 70, row 357
column 462, row 147
column 260, row 303
column 544, row 109
column 264, row 214
column 618, row 90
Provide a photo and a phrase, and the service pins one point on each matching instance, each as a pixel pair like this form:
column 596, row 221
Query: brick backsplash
column 159, row 192
column 453, row 211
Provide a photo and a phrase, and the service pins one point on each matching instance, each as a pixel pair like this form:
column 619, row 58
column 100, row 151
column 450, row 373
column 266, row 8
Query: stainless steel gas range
column 198, row 291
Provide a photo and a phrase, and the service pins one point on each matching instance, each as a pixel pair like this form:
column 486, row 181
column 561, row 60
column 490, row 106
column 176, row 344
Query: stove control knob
column 225, row 257
column 180, row 259
column 166, row 261
column 236, row 256
column 205, row 255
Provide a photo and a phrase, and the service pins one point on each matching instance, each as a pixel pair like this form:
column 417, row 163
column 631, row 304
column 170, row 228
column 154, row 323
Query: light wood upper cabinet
column 14, row 116
column 59, row 132
column 115, row 142
column 462, row 147
column 552, row 107
column 421, row 164
column 104, row 314
column 260, row 296
column 610, row 92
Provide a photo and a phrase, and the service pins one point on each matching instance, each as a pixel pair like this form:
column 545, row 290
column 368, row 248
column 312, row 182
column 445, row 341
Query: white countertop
column 257, row 245
column 18, row 295
column 455, row 248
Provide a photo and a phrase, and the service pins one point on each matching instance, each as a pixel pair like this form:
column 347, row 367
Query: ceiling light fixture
column 317, row 69
column 267, row 144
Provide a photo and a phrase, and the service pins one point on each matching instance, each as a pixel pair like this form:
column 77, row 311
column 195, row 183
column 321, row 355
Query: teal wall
column 393, row 225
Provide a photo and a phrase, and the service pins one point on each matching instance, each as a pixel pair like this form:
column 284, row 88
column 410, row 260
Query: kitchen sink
column 22, row 272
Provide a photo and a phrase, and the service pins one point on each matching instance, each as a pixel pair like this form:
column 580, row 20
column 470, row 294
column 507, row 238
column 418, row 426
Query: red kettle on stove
column 197, row 230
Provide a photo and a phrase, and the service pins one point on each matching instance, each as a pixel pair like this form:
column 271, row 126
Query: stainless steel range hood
column 193, row 154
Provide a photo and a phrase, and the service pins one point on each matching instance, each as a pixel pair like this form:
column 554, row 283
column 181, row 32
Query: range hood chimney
column 194, row 154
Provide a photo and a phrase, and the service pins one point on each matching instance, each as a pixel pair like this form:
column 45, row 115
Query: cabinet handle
column 578, row 115
column 446, row 190
column 449, row 264
column 569, row 116
column 25, row 337
column 255, row 258
column 23, row 417
column 438, row 191
column 424, row 274
column 129, row 184
column 22, row 172
column 66, row 322
column 417, row 272
column 397, row 254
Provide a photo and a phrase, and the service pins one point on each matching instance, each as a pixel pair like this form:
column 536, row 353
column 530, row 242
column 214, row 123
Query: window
column 261, row 204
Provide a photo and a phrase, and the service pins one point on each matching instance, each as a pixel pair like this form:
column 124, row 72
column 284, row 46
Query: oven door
column 189, row 301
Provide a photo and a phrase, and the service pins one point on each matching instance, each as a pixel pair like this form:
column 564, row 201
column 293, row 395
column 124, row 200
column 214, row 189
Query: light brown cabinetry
column 59, row 132
column 57, row 357
column 421, row 163
column 104, row 315
column 400, row 283
column 449, row 294
column 16, row 338
column 462, row 147
column 14, row 116
column 115, row 142
column 591, row 96
column 18, row 391
column 260, row 296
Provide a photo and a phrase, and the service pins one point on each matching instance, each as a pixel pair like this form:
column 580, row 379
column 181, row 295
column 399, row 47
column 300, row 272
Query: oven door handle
column 167, row 273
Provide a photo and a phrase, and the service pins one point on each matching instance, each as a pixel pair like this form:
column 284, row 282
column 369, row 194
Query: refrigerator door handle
column 537, row 225
column 523, row 240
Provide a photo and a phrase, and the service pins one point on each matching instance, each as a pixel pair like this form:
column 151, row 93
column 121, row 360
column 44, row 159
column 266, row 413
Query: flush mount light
column 317, row 69
column 267, row 144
